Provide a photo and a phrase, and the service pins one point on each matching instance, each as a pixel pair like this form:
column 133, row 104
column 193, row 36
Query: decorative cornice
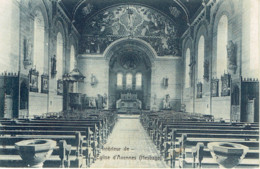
column 164, row 58
column 91, row 56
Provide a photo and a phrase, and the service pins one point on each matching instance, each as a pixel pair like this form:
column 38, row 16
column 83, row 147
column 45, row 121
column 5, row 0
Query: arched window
column 38, row 53
column 72, row 58
column 222, row 39
column 201, row 49
column 138, row 78
column 187, row 68
column 38, row 41
column 59, row 56
column 119, row 80
column 129, row 80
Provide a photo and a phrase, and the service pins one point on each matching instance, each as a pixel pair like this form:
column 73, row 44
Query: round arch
column 135, row 43
column 223, row 8
column 115, row 54
column 42, row 8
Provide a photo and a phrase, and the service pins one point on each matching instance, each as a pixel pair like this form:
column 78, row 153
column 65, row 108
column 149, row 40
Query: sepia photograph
column 129, row 83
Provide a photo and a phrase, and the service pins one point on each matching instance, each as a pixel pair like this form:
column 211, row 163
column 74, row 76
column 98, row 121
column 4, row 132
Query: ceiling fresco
column 130, row 59
column 186, row 8
column 132, row 21
column 158, row 22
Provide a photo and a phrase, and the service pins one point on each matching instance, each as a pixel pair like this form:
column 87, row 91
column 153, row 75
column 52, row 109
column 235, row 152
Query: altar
column 128, row 103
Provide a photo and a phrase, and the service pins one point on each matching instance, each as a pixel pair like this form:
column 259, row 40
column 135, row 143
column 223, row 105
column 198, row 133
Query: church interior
column 129, row 84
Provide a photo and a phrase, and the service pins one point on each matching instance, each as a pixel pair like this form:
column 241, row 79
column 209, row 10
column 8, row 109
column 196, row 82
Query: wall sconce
column 93, row 80
column 165, row 82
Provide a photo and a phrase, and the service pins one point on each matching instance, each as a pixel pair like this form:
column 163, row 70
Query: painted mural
column 131, row 21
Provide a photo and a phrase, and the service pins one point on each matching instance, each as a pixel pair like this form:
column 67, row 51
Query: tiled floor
column 129, row 134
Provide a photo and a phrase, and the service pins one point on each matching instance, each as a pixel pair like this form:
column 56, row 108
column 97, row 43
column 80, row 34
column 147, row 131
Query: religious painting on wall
column 33, row 76
column 214, row 87
column 59, row 87
column 165, row 82
column 225, row 87
column 44, row 83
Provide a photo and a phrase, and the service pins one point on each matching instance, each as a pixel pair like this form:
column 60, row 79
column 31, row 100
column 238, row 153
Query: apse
column 129, row 79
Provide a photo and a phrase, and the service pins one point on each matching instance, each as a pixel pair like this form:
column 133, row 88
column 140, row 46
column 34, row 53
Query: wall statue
column 92, row 102
column 105, row 101
column 27, row 52
column 206, row 70
column 231, row 54
column 53, row 65
column 166, row 102
column 191, row 65
column 154, row 99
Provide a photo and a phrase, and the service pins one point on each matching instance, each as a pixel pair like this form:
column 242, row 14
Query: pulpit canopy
column 75, row 75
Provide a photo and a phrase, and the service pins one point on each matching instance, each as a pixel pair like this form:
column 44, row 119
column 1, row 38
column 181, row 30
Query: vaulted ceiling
column 180, row 11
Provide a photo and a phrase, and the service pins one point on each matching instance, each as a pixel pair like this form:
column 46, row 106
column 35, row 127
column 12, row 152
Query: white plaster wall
column 9, row 33
column 55, row 101
column 56, row 104
column 97, row 66
column 37, row 104
column 221, row 107
column 202, row 105
column 247, row 54
column 170, row 68
column 187, row 99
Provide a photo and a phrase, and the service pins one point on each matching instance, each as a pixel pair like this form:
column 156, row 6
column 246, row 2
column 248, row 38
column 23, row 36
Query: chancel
column 129, row 83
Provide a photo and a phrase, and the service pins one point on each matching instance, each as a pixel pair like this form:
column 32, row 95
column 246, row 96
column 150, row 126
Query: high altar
column 128, row 103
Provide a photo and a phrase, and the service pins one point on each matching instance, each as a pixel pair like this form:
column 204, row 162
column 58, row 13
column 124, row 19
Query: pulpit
column 71, row 98
column 128, row 103
column 75, row 100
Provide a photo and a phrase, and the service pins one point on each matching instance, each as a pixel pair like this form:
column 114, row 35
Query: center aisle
column 128, row 133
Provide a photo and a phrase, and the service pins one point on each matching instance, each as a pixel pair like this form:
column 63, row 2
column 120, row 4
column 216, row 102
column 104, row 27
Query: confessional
column 245, row 100
column 14, row 95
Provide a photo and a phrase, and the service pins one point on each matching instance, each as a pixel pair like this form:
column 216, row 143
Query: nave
column 129, row 133
column 188, row 69
column 106, row 139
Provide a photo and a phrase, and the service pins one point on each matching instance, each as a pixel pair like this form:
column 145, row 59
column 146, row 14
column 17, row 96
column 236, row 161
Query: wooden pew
column 97, row 136
column 186, row 157
column 159, row 127
column 64, row 153
column 160, row 133
column 169, row 142
column 8, row 149
column 25, row 129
